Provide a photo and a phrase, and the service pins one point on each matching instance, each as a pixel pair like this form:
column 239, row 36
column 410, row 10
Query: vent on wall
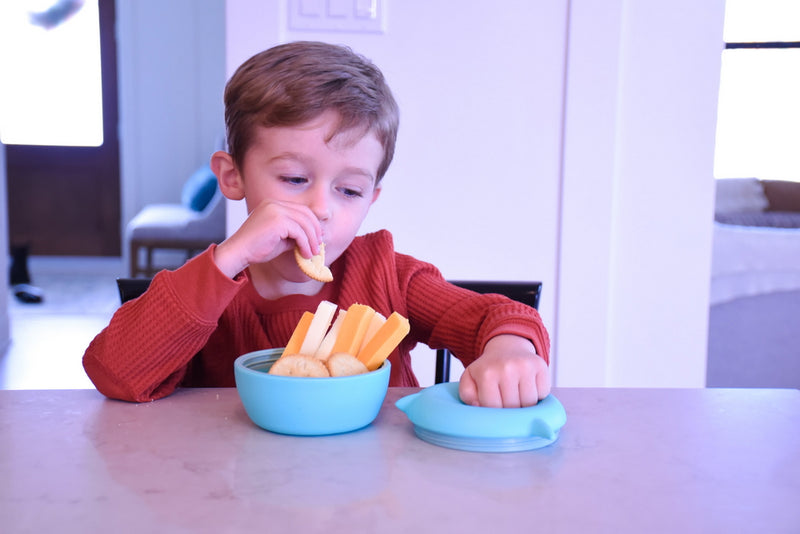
column 358, row 16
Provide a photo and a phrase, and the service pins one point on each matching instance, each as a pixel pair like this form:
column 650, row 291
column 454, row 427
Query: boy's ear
column 375, row 194
column 230, row 182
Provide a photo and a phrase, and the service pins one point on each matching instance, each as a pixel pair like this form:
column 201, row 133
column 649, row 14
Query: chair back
column 525, row 292
column 130, row 288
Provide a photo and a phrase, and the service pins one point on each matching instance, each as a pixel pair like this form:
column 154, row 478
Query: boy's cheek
column 335, row 247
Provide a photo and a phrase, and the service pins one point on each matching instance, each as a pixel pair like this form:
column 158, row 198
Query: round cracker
column 344, row 364
column 314, row 267
column 299, row 365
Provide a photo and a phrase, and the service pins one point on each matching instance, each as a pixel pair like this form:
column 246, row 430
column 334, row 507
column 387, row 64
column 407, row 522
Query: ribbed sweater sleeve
column 143, row 353
column 441, row 314
column 464, row 321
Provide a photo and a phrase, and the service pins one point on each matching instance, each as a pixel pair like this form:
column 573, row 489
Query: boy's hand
column 509, row 374
column 271, row 229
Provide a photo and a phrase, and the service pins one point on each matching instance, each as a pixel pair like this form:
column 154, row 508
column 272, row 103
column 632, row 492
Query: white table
column 628, row 460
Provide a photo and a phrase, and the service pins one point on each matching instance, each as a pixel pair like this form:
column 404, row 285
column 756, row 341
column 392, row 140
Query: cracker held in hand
column 314, row 267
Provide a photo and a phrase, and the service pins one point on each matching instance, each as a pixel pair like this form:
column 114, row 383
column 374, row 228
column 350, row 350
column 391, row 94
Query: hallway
column 48, row 339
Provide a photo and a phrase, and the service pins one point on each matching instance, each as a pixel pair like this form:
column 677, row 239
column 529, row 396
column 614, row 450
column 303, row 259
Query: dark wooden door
column 66, row 200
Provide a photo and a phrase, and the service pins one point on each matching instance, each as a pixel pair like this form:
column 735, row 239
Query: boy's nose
column 320, row 205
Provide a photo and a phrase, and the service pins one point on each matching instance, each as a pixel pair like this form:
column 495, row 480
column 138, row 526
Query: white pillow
column 737, row 195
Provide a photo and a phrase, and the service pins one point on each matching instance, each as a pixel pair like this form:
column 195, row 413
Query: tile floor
column 48, row 339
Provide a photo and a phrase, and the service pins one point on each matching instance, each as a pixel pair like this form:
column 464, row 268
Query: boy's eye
column 351, row 193
column 298, row 180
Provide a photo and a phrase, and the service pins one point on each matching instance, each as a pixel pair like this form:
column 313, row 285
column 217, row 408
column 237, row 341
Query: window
column 51, row 51
column 758, row 123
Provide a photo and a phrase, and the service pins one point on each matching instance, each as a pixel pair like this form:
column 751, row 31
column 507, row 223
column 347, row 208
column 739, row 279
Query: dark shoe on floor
column 18, row 273
column 28, row 294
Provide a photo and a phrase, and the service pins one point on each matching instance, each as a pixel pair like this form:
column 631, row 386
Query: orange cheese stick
column 384, row 341
column 375, row 323
column 354, row 326
column 299, row 334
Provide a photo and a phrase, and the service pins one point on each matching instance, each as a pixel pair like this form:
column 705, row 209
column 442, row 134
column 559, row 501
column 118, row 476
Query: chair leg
column 149, row 265
column 442, row 366
column 133, row 268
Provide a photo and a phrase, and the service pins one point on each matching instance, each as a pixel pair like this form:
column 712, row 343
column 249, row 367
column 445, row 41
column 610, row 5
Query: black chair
column 524, row 292
column 130, row 288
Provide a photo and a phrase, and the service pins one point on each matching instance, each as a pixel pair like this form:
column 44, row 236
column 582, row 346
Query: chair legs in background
column 19, row 277
column 182, row 251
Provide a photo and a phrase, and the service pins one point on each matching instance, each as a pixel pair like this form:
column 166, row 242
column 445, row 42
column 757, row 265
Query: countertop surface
column 627, row 460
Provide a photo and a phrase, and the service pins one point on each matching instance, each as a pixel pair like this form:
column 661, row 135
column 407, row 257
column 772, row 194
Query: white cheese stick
column 319, row 326
column 326, row 346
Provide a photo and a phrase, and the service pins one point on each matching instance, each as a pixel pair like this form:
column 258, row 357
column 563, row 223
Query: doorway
column 65, row 200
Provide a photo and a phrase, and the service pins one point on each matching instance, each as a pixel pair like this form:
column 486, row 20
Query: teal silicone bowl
column 303, row 406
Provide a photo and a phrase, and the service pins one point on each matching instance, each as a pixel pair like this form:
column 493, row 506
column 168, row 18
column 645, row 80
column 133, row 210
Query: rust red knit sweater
column 192, row 323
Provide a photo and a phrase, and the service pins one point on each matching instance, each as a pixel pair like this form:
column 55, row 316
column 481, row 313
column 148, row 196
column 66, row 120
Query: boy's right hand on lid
column 271, row 229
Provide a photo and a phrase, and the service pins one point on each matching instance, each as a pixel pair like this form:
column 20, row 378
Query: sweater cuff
column 542, row 346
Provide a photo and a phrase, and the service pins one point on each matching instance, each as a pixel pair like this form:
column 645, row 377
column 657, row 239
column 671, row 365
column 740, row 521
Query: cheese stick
column 384, row 341
column 376, row 322
column 326, row 347
column 318, row 327
column 299, row 334
column 353, row 328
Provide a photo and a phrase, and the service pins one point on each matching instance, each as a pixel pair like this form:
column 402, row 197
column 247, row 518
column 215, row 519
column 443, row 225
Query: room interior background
column 564, row 141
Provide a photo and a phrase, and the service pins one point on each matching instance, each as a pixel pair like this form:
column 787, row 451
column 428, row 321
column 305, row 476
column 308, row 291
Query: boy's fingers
column 489, row 396
column 299, row 224
column 528, row 392
column 543, row 384
column 510, row 394
column 304, row 245
column 468, row 390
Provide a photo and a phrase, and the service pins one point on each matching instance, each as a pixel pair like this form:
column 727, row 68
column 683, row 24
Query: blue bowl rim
column 266, row 354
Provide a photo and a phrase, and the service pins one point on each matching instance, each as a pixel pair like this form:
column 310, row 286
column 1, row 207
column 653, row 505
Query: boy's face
column 335, row 179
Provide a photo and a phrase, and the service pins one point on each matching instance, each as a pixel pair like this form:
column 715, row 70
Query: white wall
column 620, row 235
column 638, row 192
column 171, row 68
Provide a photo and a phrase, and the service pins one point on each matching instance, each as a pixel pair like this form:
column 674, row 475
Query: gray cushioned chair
column 191, row 226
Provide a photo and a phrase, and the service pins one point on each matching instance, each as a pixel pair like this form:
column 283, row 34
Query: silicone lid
column 440, row 418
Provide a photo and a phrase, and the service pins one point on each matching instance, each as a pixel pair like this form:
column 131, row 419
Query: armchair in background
column 190, row 226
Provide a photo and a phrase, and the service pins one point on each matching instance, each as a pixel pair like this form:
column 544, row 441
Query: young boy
column 311, row 131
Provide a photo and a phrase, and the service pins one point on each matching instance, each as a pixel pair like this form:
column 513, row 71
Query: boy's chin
column 299, row 278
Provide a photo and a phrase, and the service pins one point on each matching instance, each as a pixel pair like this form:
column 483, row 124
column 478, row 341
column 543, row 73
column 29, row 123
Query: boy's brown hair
column 293, row 83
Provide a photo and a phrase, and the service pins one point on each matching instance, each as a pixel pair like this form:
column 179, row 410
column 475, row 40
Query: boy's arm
column 143, row 353
column 503, row 344
column 444, row 315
